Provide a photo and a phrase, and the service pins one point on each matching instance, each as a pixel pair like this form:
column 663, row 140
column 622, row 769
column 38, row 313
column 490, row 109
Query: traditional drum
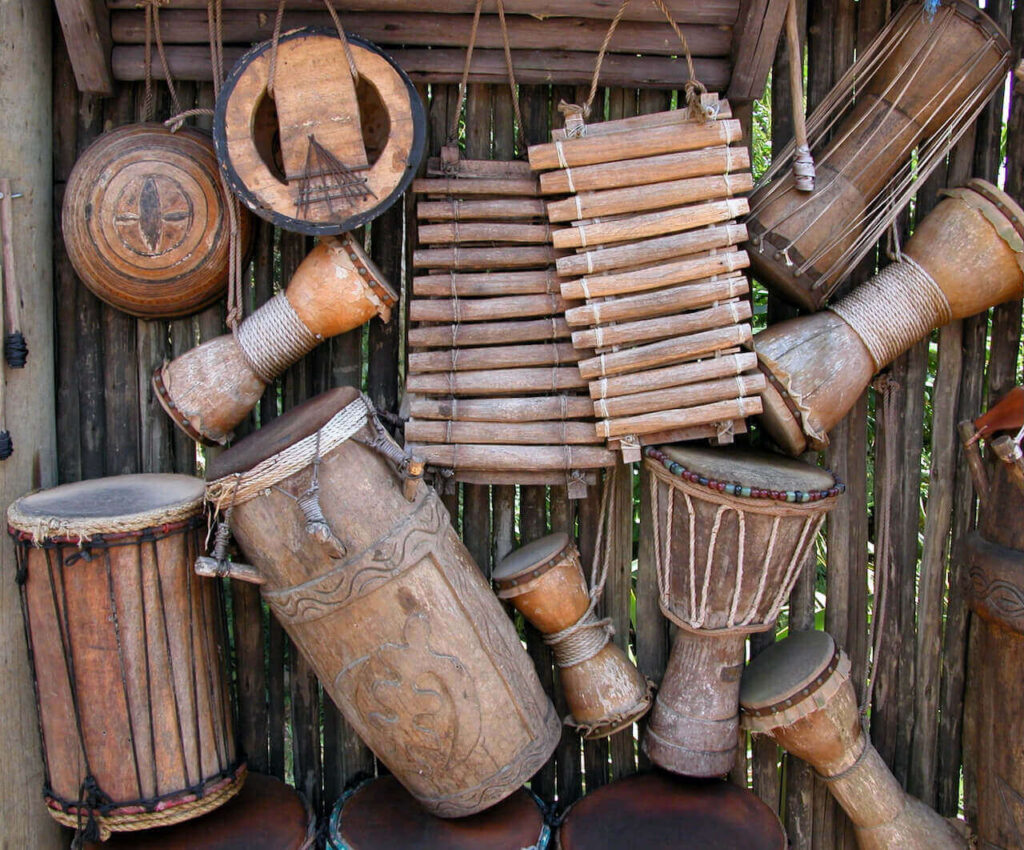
column 733, row 530
column 128, row 651
column 209, row 390
column 380, row 815
column 146, row 224
column 266, row 815
column 386, row 603
column 799, row 692
column 319, row 133
column 964, row 257
column 886, row 125
column 544, row 581
column 660, row 810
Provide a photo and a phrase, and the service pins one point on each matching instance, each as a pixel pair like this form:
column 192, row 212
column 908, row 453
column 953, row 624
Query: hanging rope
column 453, row 133
column 152, row 18
column 803, row 162
column 511, row 76
column 275, row 43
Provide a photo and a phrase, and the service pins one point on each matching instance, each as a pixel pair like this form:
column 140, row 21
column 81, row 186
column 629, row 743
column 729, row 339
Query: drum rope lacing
column 275, row 337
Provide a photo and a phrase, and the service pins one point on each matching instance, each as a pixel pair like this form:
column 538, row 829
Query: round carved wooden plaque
column 145, row 221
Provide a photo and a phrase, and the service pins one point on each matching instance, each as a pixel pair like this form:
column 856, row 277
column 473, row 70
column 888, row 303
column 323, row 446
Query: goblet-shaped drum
column 799, row 692
column 733, row 530
column 544, row 580
column 209, row 390
column 965, row 257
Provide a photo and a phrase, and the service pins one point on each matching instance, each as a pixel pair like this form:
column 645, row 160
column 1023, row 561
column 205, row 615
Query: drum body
column 381, row 815
column 128, row 651
column 652, row 810
column 805, row 244
column 604, row 691
column 394, row 616
column 964, row 257
column 733, row 531
column 799, row 692
column 266, row 815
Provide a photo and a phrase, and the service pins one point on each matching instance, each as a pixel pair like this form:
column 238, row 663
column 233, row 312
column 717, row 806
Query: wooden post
column 26, row 138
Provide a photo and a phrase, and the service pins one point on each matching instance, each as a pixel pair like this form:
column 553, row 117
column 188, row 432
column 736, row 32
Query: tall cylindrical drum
column 129, row 653
column 381, row 596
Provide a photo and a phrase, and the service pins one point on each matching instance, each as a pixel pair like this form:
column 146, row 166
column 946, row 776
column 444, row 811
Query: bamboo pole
column 455, row 186
column 491, row 283
column 664, row 352
column 690, row 395
column 461, row 232
column 672, row 299
column 666, row 420
column 668, row 117
column 483, row 309
column 514, row 458
column 476, row 259
column 496, row 381
column 486, row 333
column 644, row 330
column 475, row 169
column 494, row 357
column 458, row 209
column 535, row 409
column 673, row 376
column 515, row 433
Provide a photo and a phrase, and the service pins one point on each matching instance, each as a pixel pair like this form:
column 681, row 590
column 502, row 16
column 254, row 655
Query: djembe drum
column 209, row 390
column 799, row 692
column 733, row 529
column 381, row 815
column 128, row 652
column 919, row 85
column 265, row 815
column 658, row 810
column 380, row 594
column 544, row 581
column 965, row 257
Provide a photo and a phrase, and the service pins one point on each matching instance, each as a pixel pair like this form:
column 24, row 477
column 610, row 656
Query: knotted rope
column 152, row 16
column 274, row 337
column 275, row 43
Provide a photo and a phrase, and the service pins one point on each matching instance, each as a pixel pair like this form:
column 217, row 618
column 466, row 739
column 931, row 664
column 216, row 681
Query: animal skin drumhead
column 146, row 223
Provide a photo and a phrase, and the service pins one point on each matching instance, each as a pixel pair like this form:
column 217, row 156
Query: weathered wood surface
column 86, row 26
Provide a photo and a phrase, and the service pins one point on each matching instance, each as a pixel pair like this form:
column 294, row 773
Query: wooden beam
column 754, row 38
column 86, row 25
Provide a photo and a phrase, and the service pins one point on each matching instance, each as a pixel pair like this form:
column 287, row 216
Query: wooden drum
column 380, row 815
column 386, row 603
column 209, row 390
column 603, row 689
column 799, row 692
column 915, row 89
column 658, row 810
column 965, row 257
column 266, row 815
column 733, row 530
column 128, row 651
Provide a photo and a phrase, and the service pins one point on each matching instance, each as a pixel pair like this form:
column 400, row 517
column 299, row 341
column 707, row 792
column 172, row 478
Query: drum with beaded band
column 128, row 650
column 732, row 531
column 799, row 692
column 209, row 390
column 380, row 814
column 372, row 584
column 544, row 581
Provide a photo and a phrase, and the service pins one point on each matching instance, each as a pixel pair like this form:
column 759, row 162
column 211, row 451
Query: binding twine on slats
column 274, row 337
column 894, row 310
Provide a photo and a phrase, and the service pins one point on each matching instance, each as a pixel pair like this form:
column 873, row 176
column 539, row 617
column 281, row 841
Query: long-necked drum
column 386, row 603
column 265, row 815
column 603, row 689
column 799, row 692
column 381, row 815
column 128, row 652
column 658, row 810
column 209, row 390
column 965, row 257
column 918, row 86
column 733, row 530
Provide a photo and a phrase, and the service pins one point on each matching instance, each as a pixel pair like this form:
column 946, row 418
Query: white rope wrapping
column 274, row 337
column 240, row 487
column 894, row 310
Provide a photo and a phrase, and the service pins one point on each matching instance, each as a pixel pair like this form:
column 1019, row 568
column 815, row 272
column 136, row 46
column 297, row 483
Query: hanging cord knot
column 317, row 525
column 694, row 101
column 408, row 466
column 90, row 827
column 219, row 564
column 575, row 118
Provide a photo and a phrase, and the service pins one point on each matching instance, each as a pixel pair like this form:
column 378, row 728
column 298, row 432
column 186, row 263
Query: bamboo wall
column 896, row 451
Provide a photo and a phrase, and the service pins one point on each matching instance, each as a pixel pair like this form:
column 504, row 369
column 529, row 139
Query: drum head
column 265, row 815
column 107, row 505
column 662, row 810
column 282, row 432
column 786, row 668
column 532, row 555
column 751, row 469
column 382, row 815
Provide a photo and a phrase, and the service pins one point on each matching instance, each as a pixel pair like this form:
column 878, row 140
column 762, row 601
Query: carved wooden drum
column 658, row 810
column 733, row 530
column 799, row 692
column 209, row 390
column 266, row 815
column 128, row 651
column 146, row 223
column 381, row 815
column 603, row 689
column 386, row 603
column 333, row 146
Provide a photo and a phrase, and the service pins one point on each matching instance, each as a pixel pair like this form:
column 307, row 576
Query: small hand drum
column 658, row 810
column 381, row 815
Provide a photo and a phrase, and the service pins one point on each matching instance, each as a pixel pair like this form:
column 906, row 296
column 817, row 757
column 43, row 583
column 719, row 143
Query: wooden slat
column 527, row 409
column 86, row 26
column 754, row 39
column 524, row 433
column 484, row 333
column 494, row 357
